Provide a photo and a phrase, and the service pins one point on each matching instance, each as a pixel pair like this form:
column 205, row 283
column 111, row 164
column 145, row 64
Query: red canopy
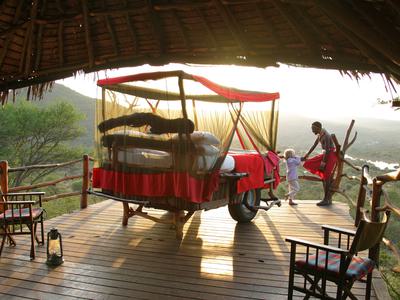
column 229, row 93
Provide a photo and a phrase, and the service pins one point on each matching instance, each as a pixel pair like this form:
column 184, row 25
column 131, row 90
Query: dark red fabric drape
column 137, row 77
column 312, row 165
column 235, row 94
column 229, row 93
column 171, row 184
column 256, row 165
column 272, row 165
column 253, row 164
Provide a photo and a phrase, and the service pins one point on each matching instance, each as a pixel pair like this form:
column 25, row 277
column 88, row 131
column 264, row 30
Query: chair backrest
column 369, row 233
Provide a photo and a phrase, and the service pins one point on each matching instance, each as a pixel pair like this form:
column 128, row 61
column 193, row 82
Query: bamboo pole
column 232, row 25
column 85, row 182
column 300, row 30
column 60, row 45
column 88, row 40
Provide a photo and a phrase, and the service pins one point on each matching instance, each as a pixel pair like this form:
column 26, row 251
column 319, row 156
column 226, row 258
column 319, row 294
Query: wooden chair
column 322, row 263
column 20, row 213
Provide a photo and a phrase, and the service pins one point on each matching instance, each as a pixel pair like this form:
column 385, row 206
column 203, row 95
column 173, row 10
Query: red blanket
column 255, row 165
column 312, row 165
column 271, row 161
column 173, row 184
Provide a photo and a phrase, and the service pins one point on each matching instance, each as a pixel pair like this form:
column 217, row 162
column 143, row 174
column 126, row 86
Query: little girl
column 292, row 162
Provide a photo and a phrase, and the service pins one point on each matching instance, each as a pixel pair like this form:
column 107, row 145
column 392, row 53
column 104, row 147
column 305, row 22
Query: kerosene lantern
column 54, row 248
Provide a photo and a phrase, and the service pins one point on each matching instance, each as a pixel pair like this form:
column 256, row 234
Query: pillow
column 129, row 132
column 201, row 137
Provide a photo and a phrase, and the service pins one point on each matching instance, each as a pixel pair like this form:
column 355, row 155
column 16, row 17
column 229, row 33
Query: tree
column 31, row 135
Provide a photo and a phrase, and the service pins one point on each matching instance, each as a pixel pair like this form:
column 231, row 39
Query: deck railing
column 372, row 189
column 85, row 176
column 379, row 193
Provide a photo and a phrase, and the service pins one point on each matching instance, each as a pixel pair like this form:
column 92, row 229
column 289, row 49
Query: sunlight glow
column 118, row 262
column 218, row 265
column 304, row 91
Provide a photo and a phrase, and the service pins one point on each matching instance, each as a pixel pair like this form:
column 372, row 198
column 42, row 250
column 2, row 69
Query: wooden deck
column 217, row 258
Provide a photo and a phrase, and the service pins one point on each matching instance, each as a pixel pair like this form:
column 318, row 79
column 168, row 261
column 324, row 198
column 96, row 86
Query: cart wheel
column 239, row 212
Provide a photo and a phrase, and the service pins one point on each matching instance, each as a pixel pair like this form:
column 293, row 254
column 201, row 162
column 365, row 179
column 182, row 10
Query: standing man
column 324, row 164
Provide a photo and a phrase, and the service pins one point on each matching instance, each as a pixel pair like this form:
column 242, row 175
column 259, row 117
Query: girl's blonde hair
column 289, row 153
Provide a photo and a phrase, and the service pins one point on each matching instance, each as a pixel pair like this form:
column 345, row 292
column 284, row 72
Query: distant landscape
column 375, row 138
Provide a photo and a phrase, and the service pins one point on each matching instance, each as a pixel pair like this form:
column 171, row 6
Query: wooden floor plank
column 217, row 258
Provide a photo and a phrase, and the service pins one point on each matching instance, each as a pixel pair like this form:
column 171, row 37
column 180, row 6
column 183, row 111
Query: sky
column 321, row 94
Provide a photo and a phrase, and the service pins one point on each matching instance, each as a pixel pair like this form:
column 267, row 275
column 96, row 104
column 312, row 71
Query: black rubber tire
column 239, row 212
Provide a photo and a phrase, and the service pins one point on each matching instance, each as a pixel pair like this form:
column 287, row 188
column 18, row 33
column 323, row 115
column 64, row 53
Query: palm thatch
column 45, row 40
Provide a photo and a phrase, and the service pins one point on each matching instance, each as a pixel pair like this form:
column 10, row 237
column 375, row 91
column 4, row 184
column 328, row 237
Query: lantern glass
column 54, row 248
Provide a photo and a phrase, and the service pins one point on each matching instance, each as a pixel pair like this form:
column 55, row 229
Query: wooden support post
column 85, row 181
column 125, row 216
column 361, row 195
column 376, row 199
column 3, row 180
column 4, row 176
column 337, row 173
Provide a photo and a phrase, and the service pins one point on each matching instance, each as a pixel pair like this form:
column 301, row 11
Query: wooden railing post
column 376, row 199
column 375, row 203
column 85, row 181
column 337, row 174
column 3, row 181
column 4, row 176
column 361, row 195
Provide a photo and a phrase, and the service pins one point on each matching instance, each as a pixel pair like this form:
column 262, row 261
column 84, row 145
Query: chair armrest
column 343, row 236
column 24, row 194
column 339, row 230
column 20, row 202
column 315, row 245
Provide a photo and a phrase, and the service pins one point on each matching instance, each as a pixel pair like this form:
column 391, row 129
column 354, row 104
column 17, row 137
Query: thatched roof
column 45, row 40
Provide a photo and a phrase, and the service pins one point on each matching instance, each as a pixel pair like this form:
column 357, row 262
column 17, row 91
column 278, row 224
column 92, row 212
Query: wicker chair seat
column 22, row 214
column 358, row 268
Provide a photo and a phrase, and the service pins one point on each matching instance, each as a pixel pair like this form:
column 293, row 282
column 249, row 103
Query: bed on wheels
column 183, row 152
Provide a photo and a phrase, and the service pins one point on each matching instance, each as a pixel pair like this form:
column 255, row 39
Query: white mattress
column 160, row 159
column 206, row 162
column 145, row 157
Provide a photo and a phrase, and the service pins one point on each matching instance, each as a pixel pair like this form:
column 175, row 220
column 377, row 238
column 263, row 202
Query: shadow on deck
column 216, row 259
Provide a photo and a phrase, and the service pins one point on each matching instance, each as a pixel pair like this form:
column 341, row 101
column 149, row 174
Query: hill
column 83, row 104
